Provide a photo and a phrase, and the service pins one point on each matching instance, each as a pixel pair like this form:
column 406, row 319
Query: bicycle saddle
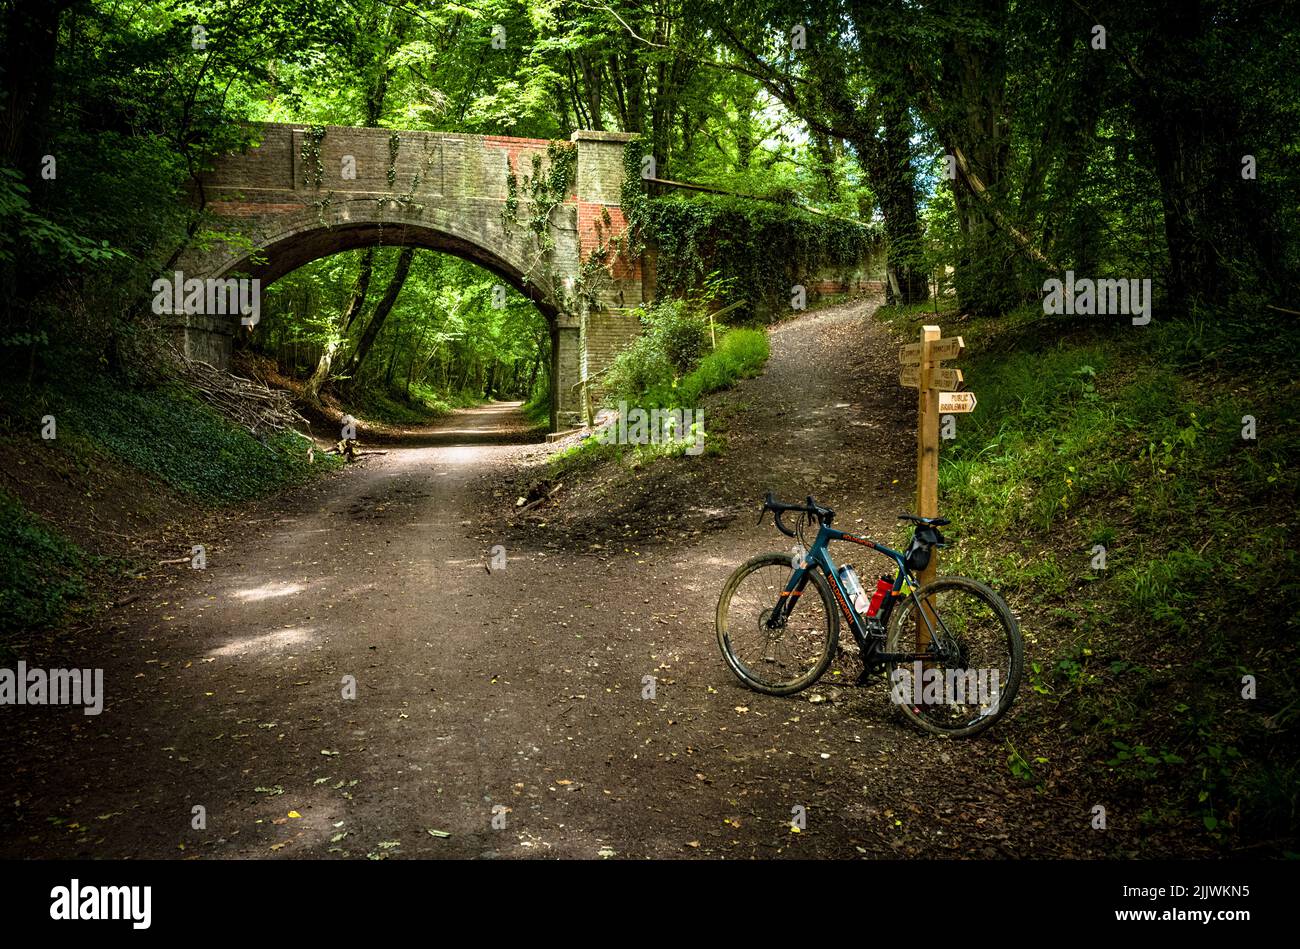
column 926, row 521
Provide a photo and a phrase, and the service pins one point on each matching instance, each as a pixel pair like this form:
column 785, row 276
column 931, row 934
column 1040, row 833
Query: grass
column 741, row 354
column 1127, row 442
column 538, row 409
column 581, row 458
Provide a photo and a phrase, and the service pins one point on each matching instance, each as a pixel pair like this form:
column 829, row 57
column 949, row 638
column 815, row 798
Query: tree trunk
column 887, row 160
column 31, row 46
column 331, row 347
column 532, row 374
column 399, row 344
column 410, row 369
column 1193, row 124
column 31, row 49
column 824, row 150
column 972, row 119
column 385, row 306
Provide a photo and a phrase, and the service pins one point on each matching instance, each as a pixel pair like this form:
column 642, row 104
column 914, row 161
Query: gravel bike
column 952, row 649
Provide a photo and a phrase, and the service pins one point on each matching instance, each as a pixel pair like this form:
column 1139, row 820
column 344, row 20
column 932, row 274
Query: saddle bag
column 917, row 554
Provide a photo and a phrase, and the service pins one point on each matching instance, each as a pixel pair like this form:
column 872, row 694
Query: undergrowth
column 161, row 431
column 41, row 573
column 1108, row 486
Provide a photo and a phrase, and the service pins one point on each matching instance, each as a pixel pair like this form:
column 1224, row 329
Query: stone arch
column 301, row 194
column 306, row 237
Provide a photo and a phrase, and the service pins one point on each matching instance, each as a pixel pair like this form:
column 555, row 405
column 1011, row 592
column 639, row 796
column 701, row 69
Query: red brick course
column 593, row 232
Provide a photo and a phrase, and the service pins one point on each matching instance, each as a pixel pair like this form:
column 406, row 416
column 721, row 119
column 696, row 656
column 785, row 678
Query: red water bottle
column 883, row 588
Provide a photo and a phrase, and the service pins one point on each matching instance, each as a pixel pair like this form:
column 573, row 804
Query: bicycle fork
column 788, row 598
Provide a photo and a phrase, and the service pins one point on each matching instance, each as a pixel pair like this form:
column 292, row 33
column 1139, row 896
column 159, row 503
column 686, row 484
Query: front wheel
column 781, row 659
column 976, row 657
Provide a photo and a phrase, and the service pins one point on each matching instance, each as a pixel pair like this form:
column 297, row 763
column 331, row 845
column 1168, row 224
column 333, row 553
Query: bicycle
column 952, row 648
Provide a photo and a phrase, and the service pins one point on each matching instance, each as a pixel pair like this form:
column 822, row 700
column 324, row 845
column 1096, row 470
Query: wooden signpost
column 921, row 371
column 910, row 376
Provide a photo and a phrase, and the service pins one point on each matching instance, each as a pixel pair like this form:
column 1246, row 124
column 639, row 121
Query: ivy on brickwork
column 762, row 248
column 313, row 169
column 594, row 273
column 321, row 206
column 593, row 276
column 510, row 213
column 632, row 195
column 549, row 192
column 546, row 191
column 394, row 142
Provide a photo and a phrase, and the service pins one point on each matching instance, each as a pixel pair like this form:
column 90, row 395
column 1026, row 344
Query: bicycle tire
column 899, row 627
column 743, row 671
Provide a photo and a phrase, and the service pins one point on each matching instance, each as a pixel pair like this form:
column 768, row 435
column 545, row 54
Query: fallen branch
column 350, row 450
column 545, row 497
column 247, row 403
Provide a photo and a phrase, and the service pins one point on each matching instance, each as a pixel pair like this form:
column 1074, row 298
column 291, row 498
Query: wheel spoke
column 781, row 659
column 977, row 677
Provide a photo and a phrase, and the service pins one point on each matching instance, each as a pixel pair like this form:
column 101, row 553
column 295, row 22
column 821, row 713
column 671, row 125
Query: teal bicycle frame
column 818, row 557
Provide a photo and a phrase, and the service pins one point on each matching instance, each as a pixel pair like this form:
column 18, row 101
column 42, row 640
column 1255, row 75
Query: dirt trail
column 514, row 692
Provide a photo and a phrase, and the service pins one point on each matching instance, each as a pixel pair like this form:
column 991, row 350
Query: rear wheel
column 978, row 657
column 776, row 660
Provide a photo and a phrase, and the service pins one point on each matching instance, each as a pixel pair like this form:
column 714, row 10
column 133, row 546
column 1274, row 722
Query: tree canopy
column 995, row 146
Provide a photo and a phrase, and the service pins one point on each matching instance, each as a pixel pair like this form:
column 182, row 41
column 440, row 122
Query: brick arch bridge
column 292, row 201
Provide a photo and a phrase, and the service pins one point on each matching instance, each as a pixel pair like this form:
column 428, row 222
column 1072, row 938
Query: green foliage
column 454, row 329
column 734, row 237
column 166, row 433
column 672, row 338
column 741, row 354
column 41, row 574
column 538, row 409
column 1086, row 436
column 422, row 405
column 22, row 227
column 671, row 364
column 1019, row 767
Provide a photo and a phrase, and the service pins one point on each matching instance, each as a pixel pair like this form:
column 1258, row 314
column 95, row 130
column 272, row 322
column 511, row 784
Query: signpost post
column 921, row 371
